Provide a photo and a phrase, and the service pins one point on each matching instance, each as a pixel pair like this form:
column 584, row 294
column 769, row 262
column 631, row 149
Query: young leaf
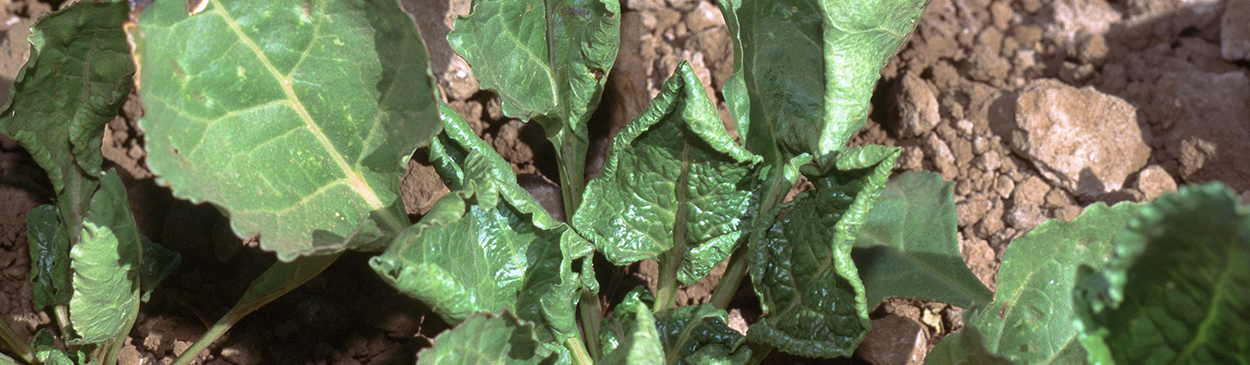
column 158, row 263
column 294, row 116
column 1177, row 289
column 810, row 67
column 640, row 345
column 49, row 258
column 908, row 247
column 1030, row 319
column 565, row 49
column 801, row 264
column 106, row 266
column 78, row 76
column 487, row 247
column 488, row 339
column 674, row 182
column 690, row 334
column 46, row 351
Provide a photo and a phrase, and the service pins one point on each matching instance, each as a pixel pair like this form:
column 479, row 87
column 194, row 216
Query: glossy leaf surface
column 690, row 334
column 640, row 344
column 106, row 265
column 548, row 60
column 1177, row 288
column 296, row 117
column 801, row 264
column 673, row 180
column 488, row 339
column 485, row 247
column 49, row 257
column 44, row 345
column 908, row 245
column 810, row 67
column 1030, row 319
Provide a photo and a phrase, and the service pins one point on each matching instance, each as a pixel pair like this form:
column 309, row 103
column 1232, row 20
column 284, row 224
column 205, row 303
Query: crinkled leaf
column 1030, row 319
column 810, row 67
column 673, row 182
column 640, row 344
column 908, row 247
column 158, row 263
column 49, row 258
column 77, row 78
column 690, row 334
column 801, row 264
column 44, row 345
column 296, row 117
column 488, row 339
column 1177, row 288
column 963, row 348
column 106, row 265
column 487, row 247
column 548, row 60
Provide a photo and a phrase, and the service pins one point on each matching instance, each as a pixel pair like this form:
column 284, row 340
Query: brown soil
column 955, row 99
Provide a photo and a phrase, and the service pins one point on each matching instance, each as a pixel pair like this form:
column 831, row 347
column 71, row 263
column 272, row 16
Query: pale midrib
column 354, row 180
column 1212, row 314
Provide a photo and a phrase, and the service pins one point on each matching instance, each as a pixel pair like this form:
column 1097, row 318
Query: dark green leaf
column 488, row 339
column 801, row 264
column 487, row 247
column 1030, row 319
column 1177, row 289
column 640, row 344
column 49, row 258
column 106, row 264
column 690, row 334
column 158, row 263
column 44, row 345
column 296, row 117
column 548, row 60
column 908, row 247
column 673, row 181
column 810, row 67
column 76, row 80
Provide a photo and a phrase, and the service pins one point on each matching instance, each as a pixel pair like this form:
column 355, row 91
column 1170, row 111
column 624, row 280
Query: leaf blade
column 488, row 339
column 261, row 132
column 106, row 266
column 49, row 257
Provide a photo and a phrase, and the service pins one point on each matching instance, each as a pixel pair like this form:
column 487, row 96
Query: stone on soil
column 1211, row 116
column 1075, row 18
column 1235, row 31
column 1154, row 181
column 894, row 340
column 918, row 106
column 1082, row 140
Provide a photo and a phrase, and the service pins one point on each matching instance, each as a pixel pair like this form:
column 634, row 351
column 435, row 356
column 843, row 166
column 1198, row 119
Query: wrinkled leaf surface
column 49, row 258
column 1030, row 319
column 294, row 116
column 801, row 264
column 673, row 180
column 640, row 344
column 488, row 339
column 106, row 265
column 908, row 247
column 1177, row 289
column 44, row 345
column 689, row 334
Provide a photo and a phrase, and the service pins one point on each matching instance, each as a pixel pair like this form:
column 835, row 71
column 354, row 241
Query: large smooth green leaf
column 1177, row 288
column 1030, row 319
column 76, row 80
column 801, row 264
column 908, row 247
column 106, row 264
column 488, row 339
column 296, row 117
column 673, row 182
column 548, row 60
column 487, row 246
column 49, row 258
column 810, row 67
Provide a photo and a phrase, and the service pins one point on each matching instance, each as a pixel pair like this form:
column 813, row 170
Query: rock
column 970, row 211
column 1075, row 18
column 1211, row 124
column 1000, row 12
column 705, row 15
column 644, row 4
column 917, row 106
column 1154, row 181
column 1235, row 30
column 894, row 340
column 942, row 158
column 1082, row 140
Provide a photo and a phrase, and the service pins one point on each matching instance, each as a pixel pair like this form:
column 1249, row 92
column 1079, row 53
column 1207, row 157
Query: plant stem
column 62, row 319
column 592, row 318
column 209, row 337
column 666, row 288
column 732, row 278
column 578, row 351
column 10, row 337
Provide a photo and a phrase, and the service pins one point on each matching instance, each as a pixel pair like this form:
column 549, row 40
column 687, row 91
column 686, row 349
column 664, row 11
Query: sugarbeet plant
column 296, row 119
